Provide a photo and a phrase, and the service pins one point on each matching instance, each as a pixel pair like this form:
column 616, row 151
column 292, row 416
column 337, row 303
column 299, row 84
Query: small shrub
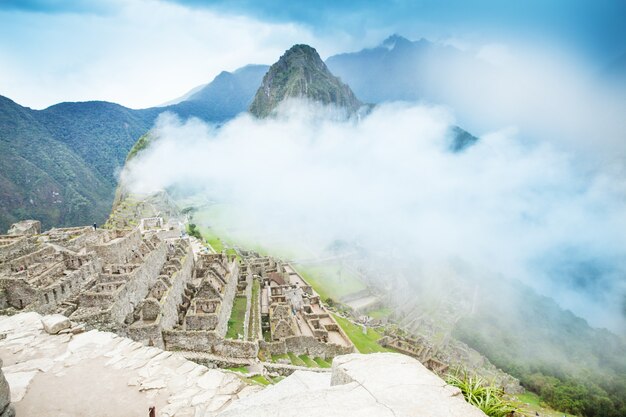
column 481, row 394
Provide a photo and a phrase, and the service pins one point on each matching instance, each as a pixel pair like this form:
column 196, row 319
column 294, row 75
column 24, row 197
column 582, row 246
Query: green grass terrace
column 237, row 317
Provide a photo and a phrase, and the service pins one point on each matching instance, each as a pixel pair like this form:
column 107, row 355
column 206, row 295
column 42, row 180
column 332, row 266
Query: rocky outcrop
column 301, row 73
column 25, row 227
column 380, row 385
column 6, row 409
column 54, row 323
column 66, row 374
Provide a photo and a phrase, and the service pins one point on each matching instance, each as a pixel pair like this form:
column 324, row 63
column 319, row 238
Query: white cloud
column 389, row 182
column 141, row 53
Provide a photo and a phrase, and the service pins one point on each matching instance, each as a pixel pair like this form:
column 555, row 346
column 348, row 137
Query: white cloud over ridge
column 389, row 182
column 137, row 53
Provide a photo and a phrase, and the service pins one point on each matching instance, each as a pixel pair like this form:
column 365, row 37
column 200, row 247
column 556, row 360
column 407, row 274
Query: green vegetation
column 59, row 165
column 332, row 280
column 211, row 238
column 275, row 358
column 573, row 367
column 295, row 360
column 237, row 317
column 254, row 310
column 380, row 313
column 260, row 379
column 482, row 395
column 300, row 72
column 365, row 343
column 308, row 361
column 322, row 363
column 530, row 403
column 240, row 369
column 192, row 230
column 141, row 144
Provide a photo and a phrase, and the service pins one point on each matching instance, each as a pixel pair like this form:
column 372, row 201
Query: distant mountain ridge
column 89, row 141
column 301, row 73
column 398, row 69
column 60, row 165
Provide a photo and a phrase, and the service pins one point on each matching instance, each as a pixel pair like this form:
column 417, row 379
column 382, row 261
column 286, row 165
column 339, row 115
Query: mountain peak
column 395, row 40
column 300, row 72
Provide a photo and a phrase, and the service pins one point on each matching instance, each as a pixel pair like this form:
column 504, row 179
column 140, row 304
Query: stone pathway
column 101, row 374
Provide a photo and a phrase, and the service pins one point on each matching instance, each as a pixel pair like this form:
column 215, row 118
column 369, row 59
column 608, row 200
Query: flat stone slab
column 54, row 323
column 99, row 374
column 376, row 385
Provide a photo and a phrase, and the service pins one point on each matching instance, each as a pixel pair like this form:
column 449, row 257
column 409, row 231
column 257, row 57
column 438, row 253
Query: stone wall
column 150, row 332
column 210, row 342
column 118, row 250
column 115, row 306
column 305, row 345
column 67, row 286
column 229, row 297
column 246, row 320
column 12, row 246
column 137, row 287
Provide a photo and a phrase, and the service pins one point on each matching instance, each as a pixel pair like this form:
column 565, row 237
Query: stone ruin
column 26, row 227
column 419, row 348
column 293, row 320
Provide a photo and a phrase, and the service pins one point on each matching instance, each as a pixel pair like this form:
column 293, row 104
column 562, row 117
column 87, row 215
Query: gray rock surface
column 54, row 323
column 377, row 385
column 100, row 374
column 6, row 409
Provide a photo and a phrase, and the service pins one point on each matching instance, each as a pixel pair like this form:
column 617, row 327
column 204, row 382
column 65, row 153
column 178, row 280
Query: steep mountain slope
column 229, row 94
column 98, row 132
column 59, row 165
column 400, row 69
column 42, row 178
column 575, row 367
column 300, row 72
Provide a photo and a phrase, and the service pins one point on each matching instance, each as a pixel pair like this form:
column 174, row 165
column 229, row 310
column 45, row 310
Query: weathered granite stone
column 380, row 385
column 6, row 409
column 54, row 323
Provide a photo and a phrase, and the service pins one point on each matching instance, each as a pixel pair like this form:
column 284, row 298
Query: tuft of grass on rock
column 479, row 393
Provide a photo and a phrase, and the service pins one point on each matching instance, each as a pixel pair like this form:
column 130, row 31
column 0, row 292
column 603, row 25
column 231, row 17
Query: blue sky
column 55, row 50
column 594, row 24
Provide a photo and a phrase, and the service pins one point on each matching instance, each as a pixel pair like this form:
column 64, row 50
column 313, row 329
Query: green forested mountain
column 42, row 177
column 573, row 366
column 227, row 95
column 59, row 165
column 300, row 72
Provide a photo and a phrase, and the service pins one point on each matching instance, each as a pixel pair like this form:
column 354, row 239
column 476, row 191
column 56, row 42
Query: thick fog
column 389, row 182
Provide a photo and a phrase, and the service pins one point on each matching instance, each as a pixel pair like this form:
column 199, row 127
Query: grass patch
column 277, row 379
column 237, row 316
column 380, row 313
column 253, row 326
column 322, row 363
column 260, row 379
column 296, row 360
column 212, row 239
column 530, row 403
column 275, row 358
column 365, row 343
column 332, row 281
column 240, row 369
column 479, row 393
column 308, row 361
